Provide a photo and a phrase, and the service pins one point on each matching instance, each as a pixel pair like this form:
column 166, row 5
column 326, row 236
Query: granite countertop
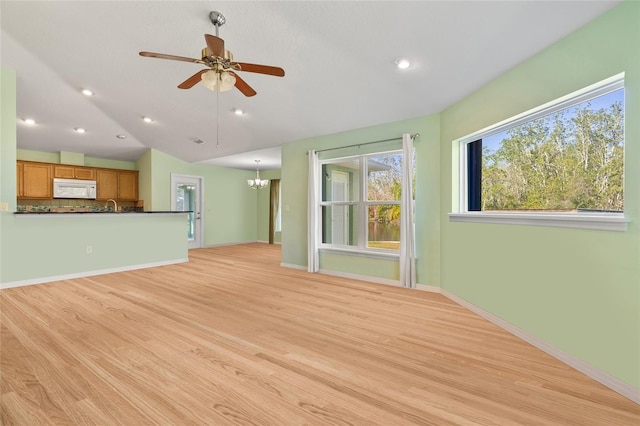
column 97, row 213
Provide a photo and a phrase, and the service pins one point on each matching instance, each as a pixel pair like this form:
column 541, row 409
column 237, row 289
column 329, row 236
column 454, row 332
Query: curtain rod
column 414, row 136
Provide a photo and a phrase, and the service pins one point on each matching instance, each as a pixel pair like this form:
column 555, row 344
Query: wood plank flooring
column 231, row 338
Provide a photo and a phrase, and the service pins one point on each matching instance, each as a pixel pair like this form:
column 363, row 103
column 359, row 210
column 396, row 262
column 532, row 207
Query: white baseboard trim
column 292, row 266
column 613, row 383
column 376, row 280
column 229, row 244
column 429, row 288
column 22, row 283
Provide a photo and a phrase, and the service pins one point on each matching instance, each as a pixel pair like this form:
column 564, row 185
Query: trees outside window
column 361, row 201
column 571, row 160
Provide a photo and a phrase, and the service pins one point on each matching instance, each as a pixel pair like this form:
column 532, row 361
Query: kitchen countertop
column 99, row 213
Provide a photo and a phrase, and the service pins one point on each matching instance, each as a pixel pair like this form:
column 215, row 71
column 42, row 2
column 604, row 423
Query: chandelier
column 257, row 183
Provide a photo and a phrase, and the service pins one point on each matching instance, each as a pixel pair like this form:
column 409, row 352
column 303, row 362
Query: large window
column 361, row 201
column 565, row 157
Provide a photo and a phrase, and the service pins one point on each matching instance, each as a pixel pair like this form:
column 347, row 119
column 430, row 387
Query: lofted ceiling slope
column 339, row 59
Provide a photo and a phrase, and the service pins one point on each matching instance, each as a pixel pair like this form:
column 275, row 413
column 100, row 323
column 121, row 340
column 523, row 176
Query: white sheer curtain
column 407, row 243
column 313, row 261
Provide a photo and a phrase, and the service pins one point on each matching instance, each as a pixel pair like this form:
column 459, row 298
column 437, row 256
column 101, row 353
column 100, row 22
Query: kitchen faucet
column 115, row 205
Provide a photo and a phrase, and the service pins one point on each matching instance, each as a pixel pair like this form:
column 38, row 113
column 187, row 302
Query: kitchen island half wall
column 39, row 248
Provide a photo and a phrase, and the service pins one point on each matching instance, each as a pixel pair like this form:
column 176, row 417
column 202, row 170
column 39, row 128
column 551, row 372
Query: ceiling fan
column 222, row 71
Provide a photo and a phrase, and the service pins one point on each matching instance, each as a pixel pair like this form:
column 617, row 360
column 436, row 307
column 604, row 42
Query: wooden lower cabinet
column 34, row 180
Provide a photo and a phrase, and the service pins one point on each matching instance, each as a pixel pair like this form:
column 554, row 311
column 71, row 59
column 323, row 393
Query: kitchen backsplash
column 91, row 205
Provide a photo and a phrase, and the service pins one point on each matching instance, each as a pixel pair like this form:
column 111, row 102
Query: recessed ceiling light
column 79, row 130
column 87, row 92
column 198, row 141
column 403, row 63
column 121, row 136
column 147, row 119
column 238, row 111
column 29, row 121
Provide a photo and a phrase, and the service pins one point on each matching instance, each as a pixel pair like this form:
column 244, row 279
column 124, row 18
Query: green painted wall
column 578, row 290
column 109, row 164
column 8, row 190
column 229, row 204
column 263, row 207
column 53, row 245
column 386, row 269
column 74, row 158
column 294, row 198
column 41, row 156
column 143, row 164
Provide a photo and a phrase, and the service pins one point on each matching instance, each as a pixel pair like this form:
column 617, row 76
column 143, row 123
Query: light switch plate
column 4, row 207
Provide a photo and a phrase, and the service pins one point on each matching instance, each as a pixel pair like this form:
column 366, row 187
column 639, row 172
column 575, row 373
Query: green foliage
column 565, row 161
column 385, row 184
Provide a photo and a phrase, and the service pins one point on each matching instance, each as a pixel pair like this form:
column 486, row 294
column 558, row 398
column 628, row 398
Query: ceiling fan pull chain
column 218, row 111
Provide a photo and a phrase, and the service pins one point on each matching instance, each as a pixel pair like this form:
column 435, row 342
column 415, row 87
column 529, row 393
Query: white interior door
column 186, row 195
column 339, row 214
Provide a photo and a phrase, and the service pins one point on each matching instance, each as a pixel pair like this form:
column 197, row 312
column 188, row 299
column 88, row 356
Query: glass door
column 186, row 196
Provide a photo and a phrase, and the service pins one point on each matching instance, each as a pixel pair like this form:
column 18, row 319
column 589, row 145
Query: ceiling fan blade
column 192, row 81
column 260, row 69
column 215, row 45
column 242, row 86
column 172, row 57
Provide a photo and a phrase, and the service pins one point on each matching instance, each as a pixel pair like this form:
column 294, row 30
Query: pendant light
column 257, row 183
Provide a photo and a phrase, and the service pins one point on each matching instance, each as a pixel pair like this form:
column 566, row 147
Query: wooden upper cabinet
column 35, row 180
column 128, row 185
column 74, row 172
column 106, row 184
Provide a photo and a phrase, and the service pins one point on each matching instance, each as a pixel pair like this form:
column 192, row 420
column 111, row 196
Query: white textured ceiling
column 338, row 57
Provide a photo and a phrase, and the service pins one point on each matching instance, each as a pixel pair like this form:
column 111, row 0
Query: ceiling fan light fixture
column 218, row 81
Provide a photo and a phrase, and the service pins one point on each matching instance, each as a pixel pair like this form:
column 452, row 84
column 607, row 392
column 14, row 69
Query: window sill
column 602, row 221
column 371, row 254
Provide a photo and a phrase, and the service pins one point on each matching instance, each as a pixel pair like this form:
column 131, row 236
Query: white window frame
column 582, row 220
column 362, row 205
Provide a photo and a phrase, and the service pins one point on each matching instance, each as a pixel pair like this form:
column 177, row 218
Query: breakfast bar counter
column 96, row 213
column 55, row 245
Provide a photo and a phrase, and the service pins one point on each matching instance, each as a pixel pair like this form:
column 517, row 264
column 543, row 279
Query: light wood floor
column 232, row 338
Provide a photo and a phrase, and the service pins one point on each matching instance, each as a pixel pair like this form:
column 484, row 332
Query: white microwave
column 74, row 188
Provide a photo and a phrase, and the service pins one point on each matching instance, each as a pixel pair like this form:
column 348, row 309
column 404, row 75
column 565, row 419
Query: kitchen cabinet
column 106, row 184
column 121, row 185
column 128, row 185
column 35, row 180
column 73, row 172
